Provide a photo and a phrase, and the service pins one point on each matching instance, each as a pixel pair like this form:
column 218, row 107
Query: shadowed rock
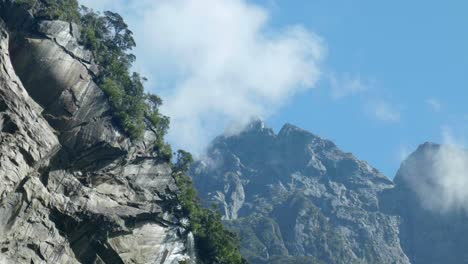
column 75, row 189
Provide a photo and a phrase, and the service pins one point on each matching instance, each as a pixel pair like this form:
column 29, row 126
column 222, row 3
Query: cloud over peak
column 438, row 174
column 217, row 62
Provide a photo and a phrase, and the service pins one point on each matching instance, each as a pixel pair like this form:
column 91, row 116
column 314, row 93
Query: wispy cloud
column 434, row 104
column 219, row 61
column 403, row 152
column 440, row 176
column 102, row 5
column 383, row 111
column 346, row 85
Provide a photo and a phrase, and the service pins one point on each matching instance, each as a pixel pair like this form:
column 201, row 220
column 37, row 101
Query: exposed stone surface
column 73, row 104
column 74, row 188
column 296, row 195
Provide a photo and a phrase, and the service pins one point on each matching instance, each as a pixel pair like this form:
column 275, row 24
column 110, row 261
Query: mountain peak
column 271, row 184
column 290, row 127
column 255, row 124
column 289, row 131
column 428, row 146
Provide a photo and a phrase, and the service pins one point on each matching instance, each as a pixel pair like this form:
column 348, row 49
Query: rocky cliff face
column 433, row 226
column 74, row 188
column 296, row 198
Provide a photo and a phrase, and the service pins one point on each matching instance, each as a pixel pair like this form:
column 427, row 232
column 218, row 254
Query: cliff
column 75, row 189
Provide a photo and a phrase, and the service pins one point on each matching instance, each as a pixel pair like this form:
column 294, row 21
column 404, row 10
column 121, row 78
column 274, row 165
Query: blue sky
column 376, row 77
column 412, row 55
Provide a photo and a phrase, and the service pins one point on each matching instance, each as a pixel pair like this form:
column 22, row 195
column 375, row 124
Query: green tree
column 214, row 243
column 111, row 41
column 183, row 161
column 67, row 10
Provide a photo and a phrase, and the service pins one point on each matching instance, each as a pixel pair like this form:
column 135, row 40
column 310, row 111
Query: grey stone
column 75, row 189
column 294, row 194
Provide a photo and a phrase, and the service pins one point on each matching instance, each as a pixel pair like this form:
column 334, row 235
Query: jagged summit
column 289, row 131
column 258, row 125
column 296, row 195
column 425, row 147
column 290, row 128
column 255, row 124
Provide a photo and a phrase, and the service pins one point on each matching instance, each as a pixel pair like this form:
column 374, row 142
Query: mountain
column 75, row 188
column 430, row 198
column 294, row 197
column 79, row 184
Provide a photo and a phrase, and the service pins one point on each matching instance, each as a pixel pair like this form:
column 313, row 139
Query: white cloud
column 383, row 111
column 434, row 104
column 403, row 152
column 101, row 4
column 346, row 85
column 218, row 62
column 440, row 176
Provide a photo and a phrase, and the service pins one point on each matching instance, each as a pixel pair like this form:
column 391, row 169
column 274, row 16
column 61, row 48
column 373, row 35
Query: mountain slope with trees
column 86, row 174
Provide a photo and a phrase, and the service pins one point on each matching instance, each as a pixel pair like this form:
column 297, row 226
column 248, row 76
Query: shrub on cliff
column 67, row 10
column 111, row 42
column 214, row 243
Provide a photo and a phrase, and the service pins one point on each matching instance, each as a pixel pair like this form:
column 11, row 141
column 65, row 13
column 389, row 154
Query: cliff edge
column 75, row 189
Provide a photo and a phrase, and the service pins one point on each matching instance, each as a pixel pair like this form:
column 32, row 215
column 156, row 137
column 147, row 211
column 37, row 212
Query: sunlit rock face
column 58, row 74
column 294, row 196
column 74, row 189
column 431, row 198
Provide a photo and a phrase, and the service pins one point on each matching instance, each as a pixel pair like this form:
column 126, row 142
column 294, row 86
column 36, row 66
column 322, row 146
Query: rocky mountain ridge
column 294, row 195
column 75, row 189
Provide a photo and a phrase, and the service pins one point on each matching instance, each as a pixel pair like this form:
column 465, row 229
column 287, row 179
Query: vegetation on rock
column 215, row 244
column 67, row 10
column 108, row 37
column 110, row 40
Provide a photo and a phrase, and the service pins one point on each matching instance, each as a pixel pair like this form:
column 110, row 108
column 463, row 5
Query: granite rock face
column 296, row 198
column 74, row 188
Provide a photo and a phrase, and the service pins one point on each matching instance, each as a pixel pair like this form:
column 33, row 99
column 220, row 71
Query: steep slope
column 74, row 188
column 434, row 219
column 296, row 198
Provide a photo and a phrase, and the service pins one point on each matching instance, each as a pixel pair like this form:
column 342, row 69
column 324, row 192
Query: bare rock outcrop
column 75, row 189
